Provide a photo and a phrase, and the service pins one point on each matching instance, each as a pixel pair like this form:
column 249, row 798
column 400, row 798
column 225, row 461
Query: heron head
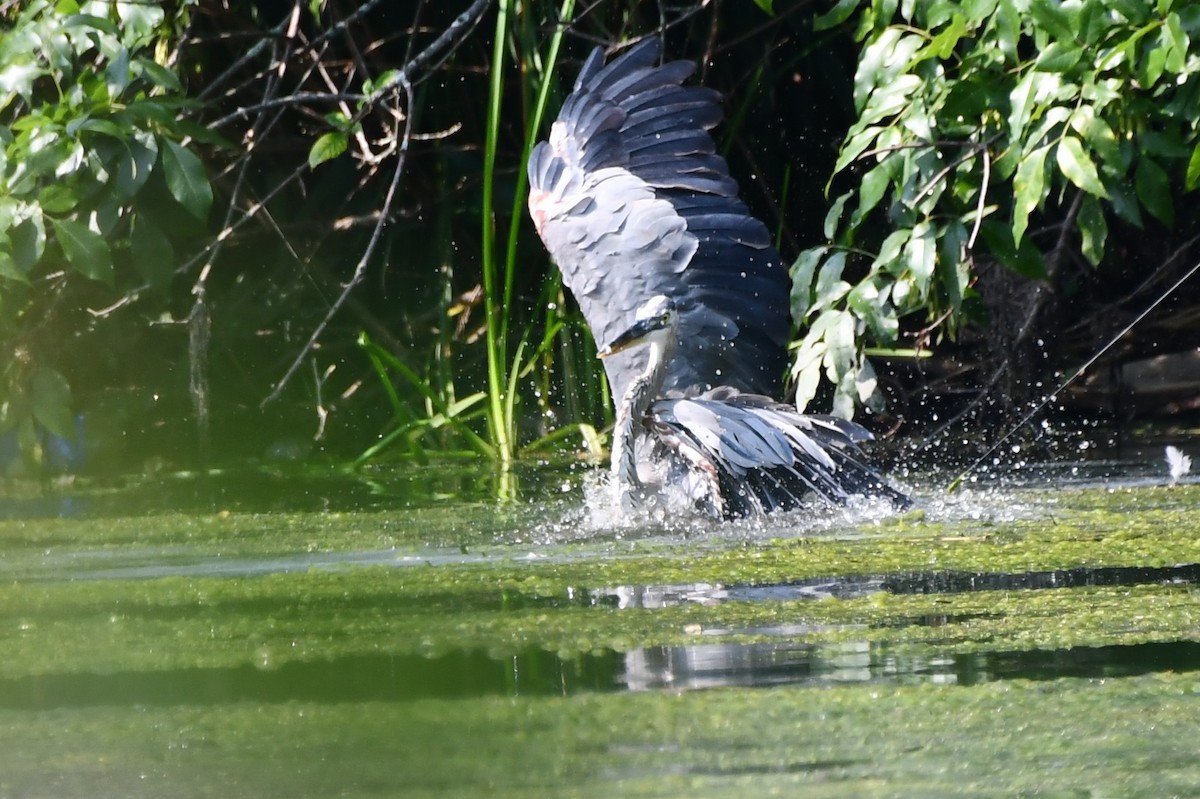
column 653, row 321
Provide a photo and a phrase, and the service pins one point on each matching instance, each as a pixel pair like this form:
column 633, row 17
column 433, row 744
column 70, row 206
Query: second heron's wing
column 632, row 200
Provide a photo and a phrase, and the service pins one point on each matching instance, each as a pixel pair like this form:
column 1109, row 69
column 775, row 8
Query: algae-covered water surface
column 402, row 634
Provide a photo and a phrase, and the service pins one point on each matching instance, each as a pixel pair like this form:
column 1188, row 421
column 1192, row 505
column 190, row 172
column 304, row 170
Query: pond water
column 398, row 632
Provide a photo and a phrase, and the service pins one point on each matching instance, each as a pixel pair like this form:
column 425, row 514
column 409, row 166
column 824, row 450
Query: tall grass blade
column 499, row 424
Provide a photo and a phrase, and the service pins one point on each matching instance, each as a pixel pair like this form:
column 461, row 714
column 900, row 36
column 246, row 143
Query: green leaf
column 1020, row 101
column 1059, row 57
column 978, row 11
column 1078, row 167
column 186, row 179
column 944, row 43
column 834, row 216
column 327, row 147
column 836, row 15
column 1054, row 18
column 92, row 21
column 855, row 145
column 880, row 65
column 1153, row 188
column 28, row 239
column 1098, row 135
column 802, row 277
column 872, row 306
column 1093, row 229
column 954, row 271
column 830, row 286
column 57, row 198
column 86, row 249
column 157, row 74
column 1028, row 186
column 766, row 6
column 920, row 256
column 134, row 165
column 1153, row 66
column 1175, row 43
column 51, row 397
column 1193, row 170
column 871, row 190
column 1008, row 28
column 890, row 251
column 8, row 266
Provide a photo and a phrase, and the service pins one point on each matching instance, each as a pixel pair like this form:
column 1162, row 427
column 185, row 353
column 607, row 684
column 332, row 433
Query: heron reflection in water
column 685, row 296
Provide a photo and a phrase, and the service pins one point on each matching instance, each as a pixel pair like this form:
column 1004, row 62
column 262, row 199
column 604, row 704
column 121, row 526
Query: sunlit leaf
column 85, row 249
column 186, row 178
column 836, row 15
column 855, row 145
column 766, row 5
column 871, row 190
column 802, row 272
column 1097, row 134
column 1028, row 188
column 1153, row 66
column 978, row 11
column 1175, row 43
column 870, row 304
column 889, row 251
column 866, row 385
column 327, row 147
column 830, row 287
column 920, row 256
column 1193, row 169
column 1077, row 165
column 1021, row 103
column 834, row 215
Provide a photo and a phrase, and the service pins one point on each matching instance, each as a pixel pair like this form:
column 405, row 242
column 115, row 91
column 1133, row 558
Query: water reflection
column 536, row 672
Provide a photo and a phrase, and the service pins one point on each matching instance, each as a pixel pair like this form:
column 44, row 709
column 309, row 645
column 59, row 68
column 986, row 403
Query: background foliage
column 299, row 226
column 994, row 130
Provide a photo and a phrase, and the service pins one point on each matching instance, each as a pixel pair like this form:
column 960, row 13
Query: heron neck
column 641, row 391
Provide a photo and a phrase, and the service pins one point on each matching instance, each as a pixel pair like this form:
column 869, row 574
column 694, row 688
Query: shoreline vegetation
column 297, row 232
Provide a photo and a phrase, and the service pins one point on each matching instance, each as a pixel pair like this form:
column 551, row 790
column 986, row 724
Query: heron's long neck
column 642, row 390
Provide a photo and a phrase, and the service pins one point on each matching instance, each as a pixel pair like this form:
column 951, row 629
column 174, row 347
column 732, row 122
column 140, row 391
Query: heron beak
column 634, row 335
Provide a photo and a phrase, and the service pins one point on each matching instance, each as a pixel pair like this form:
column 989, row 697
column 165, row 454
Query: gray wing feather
column 764, row 454
column 632, row 200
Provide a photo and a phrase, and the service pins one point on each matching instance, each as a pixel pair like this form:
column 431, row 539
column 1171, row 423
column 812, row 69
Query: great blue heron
column 642, row 218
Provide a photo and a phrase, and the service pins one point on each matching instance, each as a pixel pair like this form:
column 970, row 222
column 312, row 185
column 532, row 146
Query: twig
column 360, row 268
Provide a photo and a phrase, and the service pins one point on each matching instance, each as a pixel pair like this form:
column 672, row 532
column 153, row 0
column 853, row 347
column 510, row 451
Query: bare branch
column 360, row 269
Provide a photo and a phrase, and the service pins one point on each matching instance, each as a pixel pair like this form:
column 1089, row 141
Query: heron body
column 685, row 295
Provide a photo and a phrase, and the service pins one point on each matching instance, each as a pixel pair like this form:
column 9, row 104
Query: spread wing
column 632, row 200
column 750, row 454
